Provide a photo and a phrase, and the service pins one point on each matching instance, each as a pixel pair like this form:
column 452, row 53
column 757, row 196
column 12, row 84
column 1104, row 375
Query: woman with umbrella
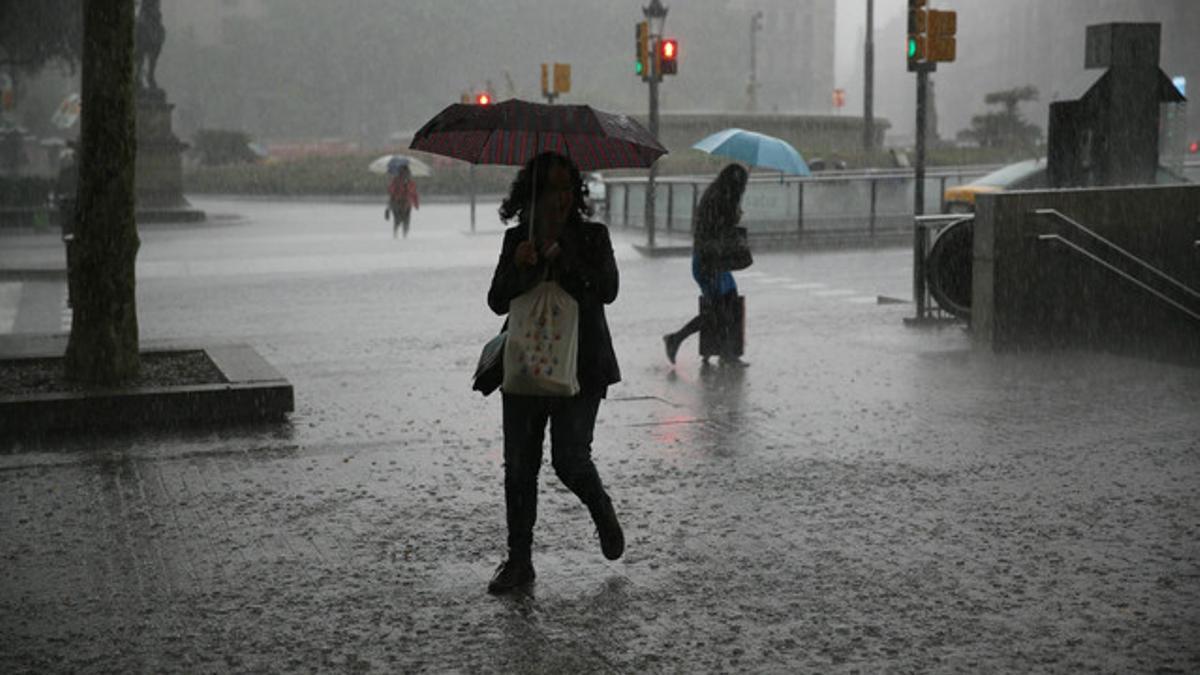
column 552, row 239
column 402, row 195
column 719, row 208
column 578, row 254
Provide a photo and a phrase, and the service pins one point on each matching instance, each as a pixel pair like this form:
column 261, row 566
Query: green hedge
column 344, row 175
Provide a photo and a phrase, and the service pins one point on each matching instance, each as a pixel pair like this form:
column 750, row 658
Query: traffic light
column 941, row 29
column 917, row 19
column 641, row 67
column 562, row 78
column 1194, row 148
column 668, row 57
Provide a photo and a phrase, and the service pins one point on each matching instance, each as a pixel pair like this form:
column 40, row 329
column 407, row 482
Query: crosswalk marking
column 10, row 300
column 815, row 288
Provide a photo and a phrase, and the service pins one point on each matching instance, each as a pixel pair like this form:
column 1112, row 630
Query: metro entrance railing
column 861, row 204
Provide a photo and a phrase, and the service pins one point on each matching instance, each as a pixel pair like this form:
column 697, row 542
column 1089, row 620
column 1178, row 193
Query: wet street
column 864, row 497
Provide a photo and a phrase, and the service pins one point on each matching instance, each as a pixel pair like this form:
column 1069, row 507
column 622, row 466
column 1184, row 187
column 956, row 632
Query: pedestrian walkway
column 34, row 307
column 864, row 497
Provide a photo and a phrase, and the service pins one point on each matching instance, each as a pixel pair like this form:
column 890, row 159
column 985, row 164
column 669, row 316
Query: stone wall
column 1034, row 294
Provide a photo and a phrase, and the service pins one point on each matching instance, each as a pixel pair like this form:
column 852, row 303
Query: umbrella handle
column 532, row 201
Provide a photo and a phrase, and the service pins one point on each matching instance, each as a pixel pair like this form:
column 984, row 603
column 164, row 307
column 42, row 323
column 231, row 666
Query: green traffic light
column 638, row 67
column 912, row 47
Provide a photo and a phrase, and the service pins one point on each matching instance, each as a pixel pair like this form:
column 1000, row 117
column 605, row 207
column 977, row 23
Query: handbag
column 733, row 251
column 542, row 349
column 489, row 372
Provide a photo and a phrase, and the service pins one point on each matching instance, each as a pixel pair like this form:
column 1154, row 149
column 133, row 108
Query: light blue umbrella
column 755, row 149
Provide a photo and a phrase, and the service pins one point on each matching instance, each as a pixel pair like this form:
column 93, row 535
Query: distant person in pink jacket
column 402, row 199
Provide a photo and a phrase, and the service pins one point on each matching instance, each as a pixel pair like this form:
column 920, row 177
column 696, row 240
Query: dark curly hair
column 516, row 204
column 719, row 204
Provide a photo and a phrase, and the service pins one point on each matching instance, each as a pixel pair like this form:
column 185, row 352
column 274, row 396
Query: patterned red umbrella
column 514, row 131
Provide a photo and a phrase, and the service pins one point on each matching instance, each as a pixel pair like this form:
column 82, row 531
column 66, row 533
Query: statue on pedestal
column 159, row 171
column 149, row 38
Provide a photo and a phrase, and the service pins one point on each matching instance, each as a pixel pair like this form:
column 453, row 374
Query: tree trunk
column 103, row 348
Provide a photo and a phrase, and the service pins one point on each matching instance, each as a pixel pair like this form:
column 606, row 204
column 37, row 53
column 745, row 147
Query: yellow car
column 1027, row 175
column 1030, row 174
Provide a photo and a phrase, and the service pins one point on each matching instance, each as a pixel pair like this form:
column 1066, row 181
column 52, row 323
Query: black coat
column 587, row 271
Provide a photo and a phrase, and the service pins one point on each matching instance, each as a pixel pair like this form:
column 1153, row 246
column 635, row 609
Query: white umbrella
column 415, row 166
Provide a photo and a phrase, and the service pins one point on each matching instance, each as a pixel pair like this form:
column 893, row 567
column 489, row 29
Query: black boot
column 672, row 341
column 612, row 539
column 510, row 575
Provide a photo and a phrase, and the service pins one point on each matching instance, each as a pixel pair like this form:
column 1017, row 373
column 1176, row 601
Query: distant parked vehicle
column 1027, row 175
column 822, row 164
column 1030, row 174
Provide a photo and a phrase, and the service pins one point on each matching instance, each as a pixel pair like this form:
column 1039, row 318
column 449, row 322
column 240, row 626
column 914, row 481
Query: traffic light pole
column 923, row 70
column 650, row 187
column 471, row 172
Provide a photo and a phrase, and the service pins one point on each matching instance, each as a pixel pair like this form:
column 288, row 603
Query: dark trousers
column 401, row 214
column 572, row 420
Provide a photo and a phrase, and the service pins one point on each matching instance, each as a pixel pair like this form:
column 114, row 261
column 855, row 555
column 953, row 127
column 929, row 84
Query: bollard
column 625, row 207
column 872, row 220
column 799, row 210
column 670, row 206
column 920, row 234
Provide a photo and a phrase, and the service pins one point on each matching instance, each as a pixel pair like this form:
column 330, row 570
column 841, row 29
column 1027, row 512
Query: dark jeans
column 713, row 285
column 572, row 420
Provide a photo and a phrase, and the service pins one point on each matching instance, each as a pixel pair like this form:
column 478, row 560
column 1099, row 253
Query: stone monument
column 1109, row 135
column 159, row 175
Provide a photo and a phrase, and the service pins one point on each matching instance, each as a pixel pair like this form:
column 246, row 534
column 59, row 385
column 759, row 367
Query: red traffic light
column 1194, row 147
column 668, row 57
column 483, row 99
column 670, row 49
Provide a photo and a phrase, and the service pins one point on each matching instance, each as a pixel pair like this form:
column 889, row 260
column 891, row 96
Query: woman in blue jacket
column 720, row 207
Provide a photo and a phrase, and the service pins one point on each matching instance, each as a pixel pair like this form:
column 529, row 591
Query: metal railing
column 859, row 204
column 1112, row 268
column 1124, row 255
column 863, row 203
column 1062, row 217
column 925, row 232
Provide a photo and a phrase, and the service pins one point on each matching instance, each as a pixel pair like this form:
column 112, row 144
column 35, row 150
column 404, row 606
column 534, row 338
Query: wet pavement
column 864, row 497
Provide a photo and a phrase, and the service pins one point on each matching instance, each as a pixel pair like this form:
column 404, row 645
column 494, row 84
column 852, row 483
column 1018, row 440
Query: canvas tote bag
column 542, row 349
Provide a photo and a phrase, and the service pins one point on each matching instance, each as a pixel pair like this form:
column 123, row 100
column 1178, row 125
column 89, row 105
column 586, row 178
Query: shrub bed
column 342, row 175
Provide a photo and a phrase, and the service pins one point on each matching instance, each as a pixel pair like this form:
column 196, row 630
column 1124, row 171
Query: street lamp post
column 869, row 83
column 656, row 16
column 752, row 89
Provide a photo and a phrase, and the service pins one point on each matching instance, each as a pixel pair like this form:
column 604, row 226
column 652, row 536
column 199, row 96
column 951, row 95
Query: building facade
column 795, row 59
